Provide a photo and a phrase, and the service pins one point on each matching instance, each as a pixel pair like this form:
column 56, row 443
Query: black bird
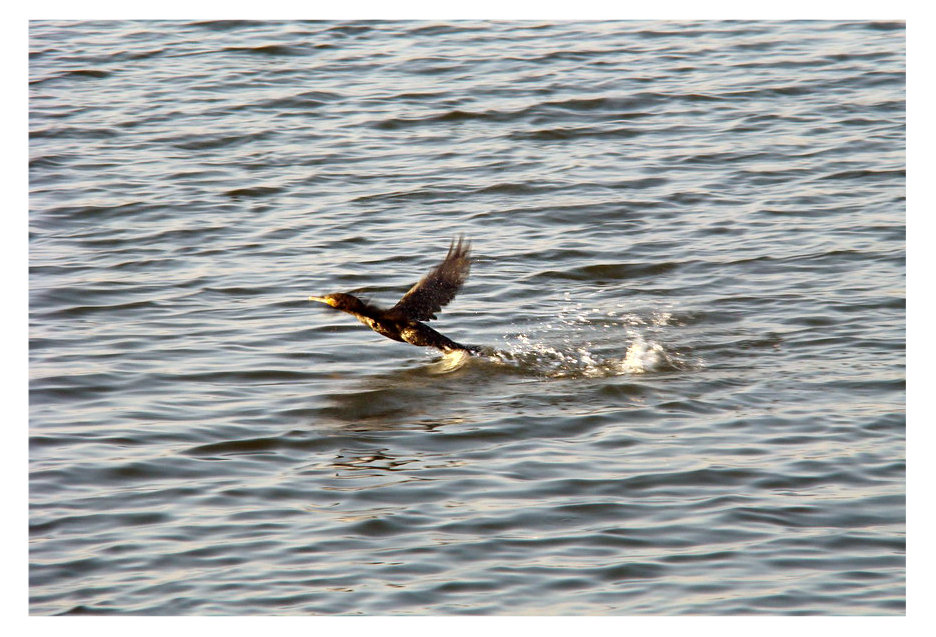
column 402, row 322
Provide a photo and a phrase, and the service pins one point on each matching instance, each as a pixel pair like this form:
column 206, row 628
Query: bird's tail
column 474, row 350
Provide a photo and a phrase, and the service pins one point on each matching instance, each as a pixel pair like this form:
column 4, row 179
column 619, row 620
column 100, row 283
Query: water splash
column 597, row 342
column 450, row 362
column 643, row 357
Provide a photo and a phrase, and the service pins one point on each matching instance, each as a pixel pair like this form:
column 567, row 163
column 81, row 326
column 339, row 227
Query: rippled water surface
column 689, row 269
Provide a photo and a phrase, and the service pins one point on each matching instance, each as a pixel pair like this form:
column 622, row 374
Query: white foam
column 642, row 357
column 450, row 361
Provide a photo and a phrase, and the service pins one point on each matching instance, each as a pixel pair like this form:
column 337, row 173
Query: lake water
column 689, row 244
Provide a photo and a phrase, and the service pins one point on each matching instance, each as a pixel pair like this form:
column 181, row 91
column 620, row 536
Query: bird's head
column 340, row 301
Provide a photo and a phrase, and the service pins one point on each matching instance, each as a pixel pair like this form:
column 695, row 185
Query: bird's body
column 403, row 321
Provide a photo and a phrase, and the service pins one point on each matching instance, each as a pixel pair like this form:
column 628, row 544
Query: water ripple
column 689, row 286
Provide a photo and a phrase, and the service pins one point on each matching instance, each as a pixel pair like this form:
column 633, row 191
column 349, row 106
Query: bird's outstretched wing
column 438, row 287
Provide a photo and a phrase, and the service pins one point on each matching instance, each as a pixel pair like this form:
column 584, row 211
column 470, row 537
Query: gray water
column 689, row 244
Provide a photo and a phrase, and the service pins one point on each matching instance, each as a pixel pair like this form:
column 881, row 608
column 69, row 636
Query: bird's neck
column 365, row 310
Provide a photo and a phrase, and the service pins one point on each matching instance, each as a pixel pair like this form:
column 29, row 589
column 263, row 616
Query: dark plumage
column 402, row 322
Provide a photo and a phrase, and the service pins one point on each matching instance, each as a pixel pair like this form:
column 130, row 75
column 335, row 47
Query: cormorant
column 402, row 321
